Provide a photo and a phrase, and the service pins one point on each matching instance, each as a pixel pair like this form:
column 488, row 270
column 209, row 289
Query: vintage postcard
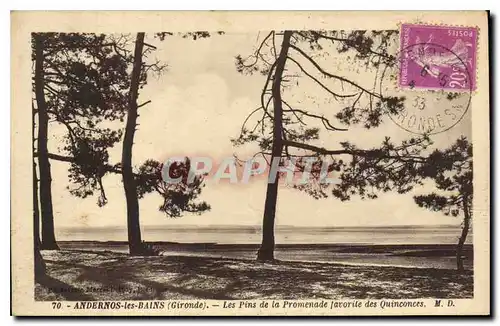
column 250, row 163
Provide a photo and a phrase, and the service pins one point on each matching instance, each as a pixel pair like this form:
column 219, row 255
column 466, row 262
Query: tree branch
column 145, row 103
column 324, row 120
column 346, row 41
column 361, row 153
column 257, row 53
column 335, row 95
column 320, row 69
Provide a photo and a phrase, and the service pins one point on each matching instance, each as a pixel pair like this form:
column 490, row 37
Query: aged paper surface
column 250, row 163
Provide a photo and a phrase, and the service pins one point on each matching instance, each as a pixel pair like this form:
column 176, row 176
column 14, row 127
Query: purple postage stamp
column 438, row 57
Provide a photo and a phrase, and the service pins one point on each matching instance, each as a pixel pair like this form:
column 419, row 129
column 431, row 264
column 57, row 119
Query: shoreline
column 179, row 255
column 424, row 250
column 404, row 256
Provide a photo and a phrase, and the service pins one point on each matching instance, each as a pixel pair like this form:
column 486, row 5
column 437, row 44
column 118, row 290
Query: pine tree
column 87, row 80
column 79, row 81
column 284, row 131
column 451, row 172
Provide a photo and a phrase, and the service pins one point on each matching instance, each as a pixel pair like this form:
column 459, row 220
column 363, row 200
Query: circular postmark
column 427, row 90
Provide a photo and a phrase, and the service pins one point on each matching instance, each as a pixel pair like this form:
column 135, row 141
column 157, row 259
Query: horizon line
column 197, row 226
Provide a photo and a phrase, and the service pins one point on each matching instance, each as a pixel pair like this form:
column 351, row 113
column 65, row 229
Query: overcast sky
column 197, row 106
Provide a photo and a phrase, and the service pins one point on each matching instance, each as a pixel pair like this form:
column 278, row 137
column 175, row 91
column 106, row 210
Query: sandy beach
column 109, row 275
column 440, row 256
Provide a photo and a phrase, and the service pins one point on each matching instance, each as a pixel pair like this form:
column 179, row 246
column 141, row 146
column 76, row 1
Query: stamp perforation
column 426, row 24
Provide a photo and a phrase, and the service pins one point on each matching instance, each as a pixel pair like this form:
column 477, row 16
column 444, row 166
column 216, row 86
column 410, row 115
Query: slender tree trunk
column 39, row 266
column 36, row 211
column 39, row 263
column 134, row 230
column 48, row 235
column 463, row 236
column 266, row 250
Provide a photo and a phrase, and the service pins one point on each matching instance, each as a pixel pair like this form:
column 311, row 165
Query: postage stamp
column 191, row 164
column 440, row 62
column 438, row 57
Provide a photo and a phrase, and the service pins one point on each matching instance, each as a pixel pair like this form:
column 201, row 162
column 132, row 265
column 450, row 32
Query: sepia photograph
column 213, row 169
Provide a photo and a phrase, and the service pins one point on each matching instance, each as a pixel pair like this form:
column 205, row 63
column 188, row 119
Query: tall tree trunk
column 463, row 236
column 266, row 250
column 39, row 263
column 134, row 230
column 48, row 235
column 39, row 266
